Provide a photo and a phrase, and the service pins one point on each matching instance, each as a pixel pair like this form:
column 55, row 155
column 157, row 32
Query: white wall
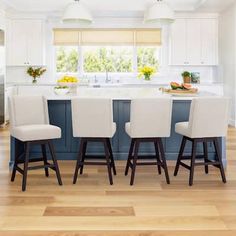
column 166, row 74
column 227, row 56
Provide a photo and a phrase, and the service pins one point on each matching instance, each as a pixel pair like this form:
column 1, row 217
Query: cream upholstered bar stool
column 208, row 120
column 29, row 123
column 92, row 121
column 150, row 121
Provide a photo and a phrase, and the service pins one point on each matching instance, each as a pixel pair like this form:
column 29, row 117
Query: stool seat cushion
column 150, row 118
column 36, row 132
column 128, row 129
column 113, row 129
column 183, row 129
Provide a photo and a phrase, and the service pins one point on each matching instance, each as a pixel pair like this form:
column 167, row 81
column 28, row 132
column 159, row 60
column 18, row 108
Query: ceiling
column 101, row 6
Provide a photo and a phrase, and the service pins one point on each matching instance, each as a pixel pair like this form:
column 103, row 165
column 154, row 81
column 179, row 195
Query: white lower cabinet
column 9, row 91
column 194, row 42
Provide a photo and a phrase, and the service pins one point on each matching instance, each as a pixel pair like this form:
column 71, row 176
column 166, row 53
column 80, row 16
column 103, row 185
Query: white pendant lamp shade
column 160, row 12
column 77, row 13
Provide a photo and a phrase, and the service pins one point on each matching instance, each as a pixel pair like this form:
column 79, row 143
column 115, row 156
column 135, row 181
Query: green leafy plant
column 35, row 72
column 61, row 87
column 186, row 74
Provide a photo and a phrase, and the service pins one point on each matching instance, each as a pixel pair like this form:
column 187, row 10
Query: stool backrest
column 28, row 110
column 92, row 117
column 209, row 117
column 151, row 117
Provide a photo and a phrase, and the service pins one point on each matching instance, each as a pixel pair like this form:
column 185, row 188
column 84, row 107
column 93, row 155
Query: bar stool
column 150, row 120
column 92, row 121
column 208, row 120
column 29, row 123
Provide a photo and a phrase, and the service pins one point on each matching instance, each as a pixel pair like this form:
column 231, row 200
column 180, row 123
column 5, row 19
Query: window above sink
column 104, row 56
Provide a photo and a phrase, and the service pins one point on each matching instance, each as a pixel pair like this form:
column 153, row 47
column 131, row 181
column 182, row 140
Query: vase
column 187, row 79
column 147, row 77
column 34, row 81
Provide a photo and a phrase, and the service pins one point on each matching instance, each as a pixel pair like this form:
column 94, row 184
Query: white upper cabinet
column 178, row 42
column 194, row 42
column 25, row 43
column 209, row 42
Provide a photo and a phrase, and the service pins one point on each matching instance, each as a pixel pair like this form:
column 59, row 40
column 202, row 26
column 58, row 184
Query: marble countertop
column 121, row 84
column 122, row 94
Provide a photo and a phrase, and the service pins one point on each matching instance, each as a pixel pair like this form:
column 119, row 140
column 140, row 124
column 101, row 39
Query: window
column 148, row 56
column 111, row 59
column 67, row 59
column 97, row 51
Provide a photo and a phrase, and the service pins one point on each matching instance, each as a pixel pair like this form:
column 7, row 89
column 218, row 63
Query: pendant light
column 160, row 12
column 76, row 12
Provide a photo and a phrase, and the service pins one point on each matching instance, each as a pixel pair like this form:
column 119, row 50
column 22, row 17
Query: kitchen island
column 67, row 147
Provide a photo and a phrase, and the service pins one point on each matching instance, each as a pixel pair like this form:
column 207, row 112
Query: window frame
column 80, row 72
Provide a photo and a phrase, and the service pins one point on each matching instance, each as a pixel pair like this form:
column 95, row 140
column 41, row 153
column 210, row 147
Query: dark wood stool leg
column 15, row 163
column 111, row 155
column 43, row 148
column 129, row 156
column 107, row 154
column 84, row 148
column 194, row 147
column 51, row 148
column 160, row 144
column 79, row 159
column 136, row 148
column 158, row 157
column 219, row 159
column 181, row 151
column 26, row 161
column 205, row 148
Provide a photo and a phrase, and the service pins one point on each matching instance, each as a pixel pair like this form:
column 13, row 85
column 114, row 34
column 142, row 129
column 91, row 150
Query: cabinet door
column 178, row 42
column 25, row 45
column 209, row 47
column 35, row 43
column 17, row 46
column 193, row 41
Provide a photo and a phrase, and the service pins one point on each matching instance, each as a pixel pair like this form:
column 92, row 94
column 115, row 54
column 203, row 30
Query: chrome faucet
column 107, row 77
column 95, row 79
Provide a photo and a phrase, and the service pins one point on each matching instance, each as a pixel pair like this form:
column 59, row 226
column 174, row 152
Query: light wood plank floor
column 93, row 207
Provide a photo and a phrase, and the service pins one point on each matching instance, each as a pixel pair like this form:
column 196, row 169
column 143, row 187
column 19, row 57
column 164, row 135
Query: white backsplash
column 165, row 75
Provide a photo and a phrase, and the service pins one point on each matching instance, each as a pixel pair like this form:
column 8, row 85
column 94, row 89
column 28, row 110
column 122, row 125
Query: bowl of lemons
column 69, row 81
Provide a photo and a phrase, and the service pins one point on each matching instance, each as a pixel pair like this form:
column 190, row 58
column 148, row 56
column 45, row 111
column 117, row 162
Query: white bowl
column 61, row 91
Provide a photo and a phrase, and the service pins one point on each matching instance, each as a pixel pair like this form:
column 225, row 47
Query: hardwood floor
column 93, row 207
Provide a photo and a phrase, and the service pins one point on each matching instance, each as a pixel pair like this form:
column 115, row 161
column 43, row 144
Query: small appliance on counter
column 195, row 77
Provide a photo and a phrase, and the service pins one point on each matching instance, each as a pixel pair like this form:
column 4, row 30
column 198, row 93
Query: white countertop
column 122, row 94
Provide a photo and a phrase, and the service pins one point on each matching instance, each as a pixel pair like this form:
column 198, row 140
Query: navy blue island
column 67, row 147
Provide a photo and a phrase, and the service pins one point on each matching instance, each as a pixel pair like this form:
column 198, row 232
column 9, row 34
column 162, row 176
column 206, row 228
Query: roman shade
column 107, row 37
column 66, row 37
column 148, row 37
column 119, row 37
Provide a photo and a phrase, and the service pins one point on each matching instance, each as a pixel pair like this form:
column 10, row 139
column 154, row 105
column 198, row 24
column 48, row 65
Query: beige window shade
column 146, row 37
column 66, row 37
column 107, row 37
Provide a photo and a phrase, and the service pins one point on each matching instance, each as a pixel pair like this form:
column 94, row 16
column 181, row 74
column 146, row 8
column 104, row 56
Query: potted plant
column 146, row 72
column 35, row 73
column 186, row 77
